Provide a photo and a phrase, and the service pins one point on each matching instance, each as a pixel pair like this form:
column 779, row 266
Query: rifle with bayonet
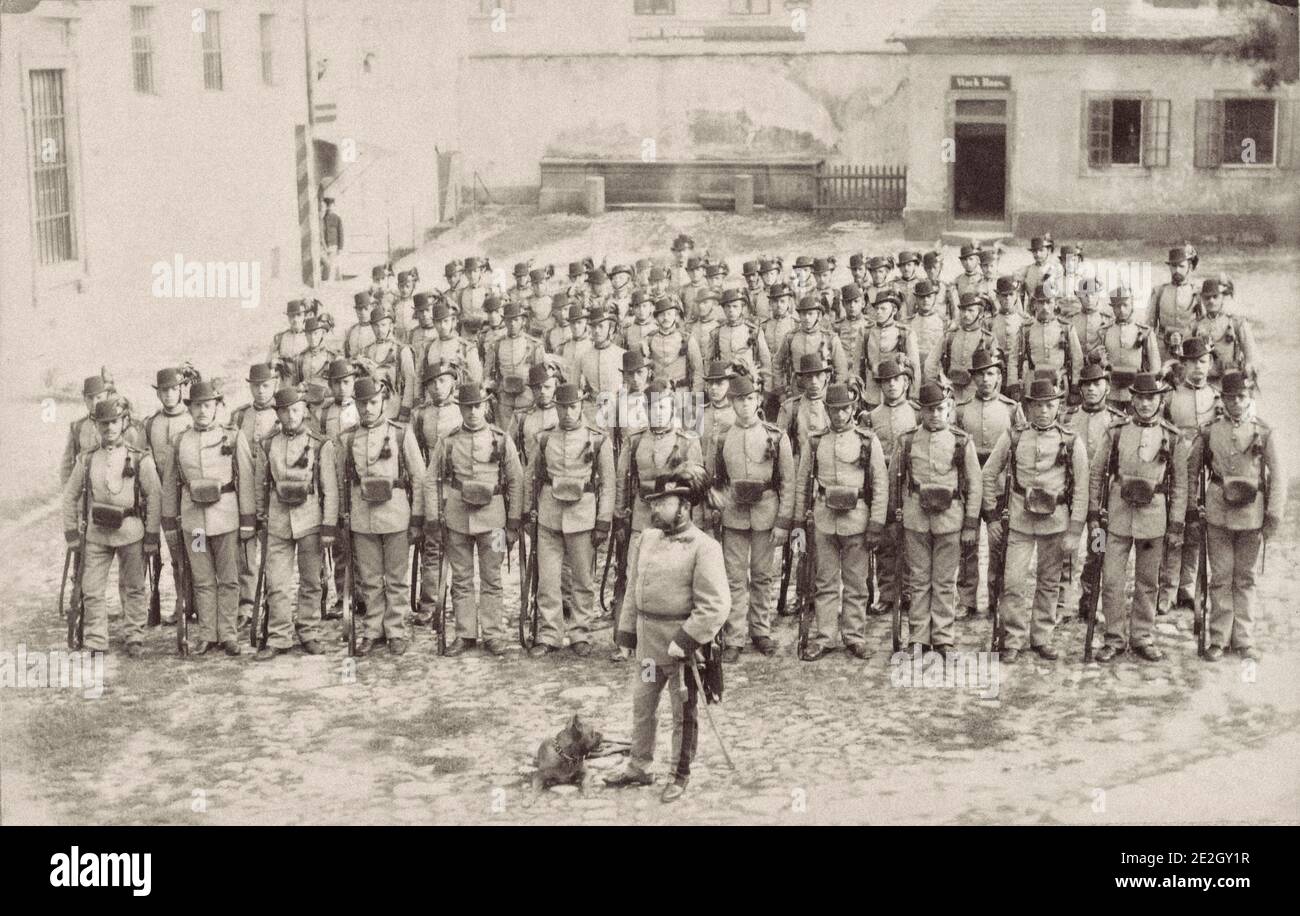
column 1200, row 596
column 807, row 579
column 259, row 626
column 529, row 612
column 998, row 558
column 901, row 456
column 346, row 553
column 153, row 569
column 63, row 582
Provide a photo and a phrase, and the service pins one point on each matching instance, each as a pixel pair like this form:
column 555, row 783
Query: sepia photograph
column 650, row 413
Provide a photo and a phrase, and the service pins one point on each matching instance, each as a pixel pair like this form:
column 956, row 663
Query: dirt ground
column 423, row 739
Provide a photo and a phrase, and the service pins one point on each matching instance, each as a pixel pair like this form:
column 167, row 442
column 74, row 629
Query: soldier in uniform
column 674, row 354
column 555, row 331
column 987, row 286
column 645, row 456
column 395, row 366
column 878, row 271
column 620, row 294
column 519, row 292
column 122, row 521
column 208, row 503
column 448, row 346
column 424, row 329
column 951, row 359
column 753, row 487
column 82, row 433
column 932, row 262
column 470, row 297
column 571, row 352
column 1048, row 465
column 1174, row 306
column 571, row 471
column 689, row 291
column 677, row 600
column 641, row 276
column 639, row 324
column 717, row 416
column 770, row 269
column 1037, row 273
column 1048, row 343
column 827, row 295
column 739, row 340
column 297, row 506
column 892, row 417
column 1128, row 345
column 598, row 369
column 255, row 421
column 474, row 488
column 401, row 303
column 454, row 271
column 313, row 362
column 926, row 325
column 160, row 432
column 597, row 287
column 1006, row 327
column 985, row 415
column 970, row 280
column 755, row 293
column 437, row 417
column 287, row 344
column 1244, row 502
column 507, row 366
column 537, row 302
column 846, row 467
column 1141, row 465
column 630, row 411
column 361, row 334
column 779, row 326
column 858, row 270
column 1190, row 407
column 934, row 478
column 810, row 338
column 1232, row 343
column 493, row 328
column 852, row 329
column 805, row 415
column 886, row 337
column 340, row 414
column 380, row 461
column 706, row 320
column 801, row 279
column 906, row 282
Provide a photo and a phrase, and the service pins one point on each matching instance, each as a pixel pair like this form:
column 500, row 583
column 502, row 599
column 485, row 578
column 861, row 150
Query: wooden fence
column 873, row 192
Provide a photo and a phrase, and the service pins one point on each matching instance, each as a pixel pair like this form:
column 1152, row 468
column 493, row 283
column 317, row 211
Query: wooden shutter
column 1155, row 132
column 1209, row 134
column 1099, row 120
column 1287, row 148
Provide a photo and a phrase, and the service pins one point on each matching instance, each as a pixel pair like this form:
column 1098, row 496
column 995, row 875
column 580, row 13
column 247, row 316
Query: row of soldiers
column 450, row 432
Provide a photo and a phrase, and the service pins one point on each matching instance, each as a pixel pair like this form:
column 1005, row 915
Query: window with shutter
column 1155, row 118
column 1288, row 134
column 1209, row 134
column 1099, row 117
column 1248, row 128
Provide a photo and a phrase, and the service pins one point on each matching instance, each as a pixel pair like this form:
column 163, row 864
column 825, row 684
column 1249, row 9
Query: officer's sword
column 713, row 726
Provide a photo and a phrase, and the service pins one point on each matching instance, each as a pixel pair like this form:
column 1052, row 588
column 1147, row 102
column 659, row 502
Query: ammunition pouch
column 207, row 490
column 1137, row 491
column 376, row 489
column 1239, row 491
column 748, row 492
column 109, row 516
column 293, row 492
column 476, row 494
column 569, row 489
column 1041, row 502
column 935, row 499
column 512, row 385
column 841, row 499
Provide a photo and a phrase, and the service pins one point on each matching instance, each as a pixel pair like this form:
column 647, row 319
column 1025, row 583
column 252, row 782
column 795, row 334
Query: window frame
column 148, row 33
column 216, row 52
column 1226, row 96
column 1144, row 164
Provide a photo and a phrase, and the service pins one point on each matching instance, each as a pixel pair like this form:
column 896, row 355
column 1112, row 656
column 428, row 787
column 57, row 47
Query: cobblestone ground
column 425, row 739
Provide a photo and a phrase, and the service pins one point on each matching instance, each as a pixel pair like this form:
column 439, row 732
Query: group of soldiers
column 857, row 439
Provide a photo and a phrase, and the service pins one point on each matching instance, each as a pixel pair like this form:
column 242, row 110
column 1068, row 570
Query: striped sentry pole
column 306, row 206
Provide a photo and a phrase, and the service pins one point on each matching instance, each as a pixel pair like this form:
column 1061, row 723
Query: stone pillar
column 744, row 194
column 593, row 187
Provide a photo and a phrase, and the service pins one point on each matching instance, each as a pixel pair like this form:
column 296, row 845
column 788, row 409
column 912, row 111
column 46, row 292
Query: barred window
column 52, row 187
column 142, row 49
column 212, row 76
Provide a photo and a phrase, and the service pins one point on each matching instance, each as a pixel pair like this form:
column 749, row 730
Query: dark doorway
column 979, row 183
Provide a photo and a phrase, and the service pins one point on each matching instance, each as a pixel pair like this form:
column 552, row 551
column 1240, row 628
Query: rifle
column 77, row 610
column 346, row 556
column 998, row 558
column 153, row 569
column 900, row 564
column 1200, row 594
column 63, row 582
column 1090, row 578
column 417, row 556
column 258, row 627
column 326, row 577
column 787, row 556
column 529, row 612
column 807, row 563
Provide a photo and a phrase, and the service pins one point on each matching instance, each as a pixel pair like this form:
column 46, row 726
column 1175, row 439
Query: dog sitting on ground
column 561, row 760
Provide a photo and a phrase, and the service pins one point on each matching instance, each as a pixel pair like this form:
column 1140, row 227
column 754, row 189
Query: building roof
column 1176, row 21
